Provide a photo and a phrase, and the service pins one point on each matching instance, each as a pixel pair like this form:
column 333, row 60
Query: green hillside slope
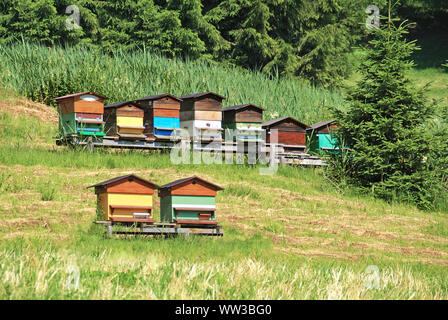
column 287, row 236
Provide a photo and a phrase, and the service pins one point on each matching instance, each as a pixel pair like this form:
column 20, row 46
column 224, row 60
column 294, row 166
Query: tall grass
column 42, row 73
column 197, row 269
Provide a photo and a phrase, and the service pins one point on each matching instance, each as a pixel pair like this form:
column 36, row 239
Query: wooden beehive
column 124, row 120
column 290, row 132
column 161, row 115
column 243, row 122
column 201, row 115
column 125, row 199
column 81, row 114
column 189, row 201
column 321, row 138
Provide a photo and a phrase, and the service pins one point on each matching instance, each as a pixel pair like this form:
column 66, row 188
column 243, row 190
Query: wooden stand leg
column 109, row 230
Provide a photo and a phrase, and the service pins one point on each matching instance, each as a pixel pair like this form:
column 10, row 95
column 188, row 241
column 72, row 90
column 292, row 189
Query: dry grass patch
column 21, row 107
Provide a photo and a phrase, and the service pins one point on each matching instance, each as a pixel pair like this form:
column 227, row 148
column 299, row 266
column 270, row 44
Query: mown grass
column 41, row 73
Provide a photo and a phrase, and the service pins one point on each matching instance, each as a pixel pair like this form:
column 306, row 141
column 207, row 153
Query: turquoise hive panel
column 161, row 122
column 327, row 141
column 166, row 122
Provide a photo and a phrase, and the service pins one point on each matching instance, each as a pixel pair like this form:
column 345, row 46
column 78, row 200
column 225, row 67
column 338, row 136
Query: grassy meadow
column 292, row 235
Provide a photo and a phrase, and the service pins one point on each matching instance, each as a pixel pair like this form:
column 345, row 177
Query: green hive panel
column 69, row 126
column 166, row 210
column 168, row 203
column 67, row 123
column 193, row 200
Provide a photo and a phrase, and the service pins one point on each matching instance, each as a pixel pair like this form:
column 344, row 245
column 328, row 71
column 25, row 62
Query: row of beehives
column 129, row 199
column 159, row 118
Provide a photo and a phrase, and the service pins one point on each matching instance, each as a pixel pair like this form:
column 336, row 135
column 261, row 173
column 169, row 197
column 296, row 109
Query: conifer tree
column 384, row 124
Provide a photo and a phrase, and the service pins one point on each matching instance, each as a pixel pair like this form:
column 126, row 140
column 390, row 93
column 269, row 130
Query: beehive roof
column 275, row 121
column 121, row 104
column 81, row 94
column 159, row 96
column 242, row 106
column 177, row 182
column 321, row 124
column 201, row 94
column 125, row 177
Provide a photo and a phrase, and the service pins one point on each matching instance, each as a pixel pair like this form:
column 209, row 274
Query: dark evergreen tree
column 30, row 20
column 384, row 124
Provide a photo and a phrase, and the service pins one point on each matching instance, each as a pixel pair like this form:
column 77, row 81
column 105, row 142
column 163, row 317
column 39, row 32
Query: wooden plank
column 66, row 106
column 288, row 124
column 127, row 188
column 201, row 115
column 327, row 129
column 95, row 116
column 159, row 228
column 122, row 219
column 90, row 121
column 131, row 127
column 215, row 231
column 111, row 122
column 249, row 115
column 193, row 189
column 289, row 138
column 166, row 103
column 83, row 106
column 132, row 136
column 208, row 115
column 166, row 113
column 209, row 104
column 166, row 138
column 116, row 206
column 195, row 222
column 192, row 209
column 102, row 222
column 130, row 111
